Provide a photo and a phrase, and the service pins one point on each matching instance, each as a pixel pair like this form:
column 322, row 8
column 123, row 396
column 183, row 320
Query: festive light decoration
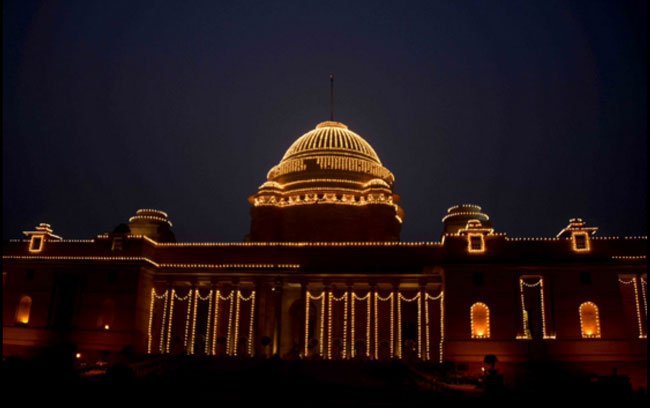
column 589, row 320
column 352, row 323
column 322, row 323
column 150, row 218
column 150, row 210
column 162, row 326
column 644, row 291
column 632, row 282
column 440, row 298
column 207, row 325
column 36, row 243
column 525, row 330
column 171, row 319
column 230, row 315
column 442, row 327
column 401, row 298
column 533, row 239
column 215, row 325
column 331, row 298
column 308, row 297
column 480, row 321
column 390, row 298
column 580, row 241
column 235, row 340
column 465, row 214
column 193, row 330
column 329, row 325
column 188, row 316
column 151, row 304
column 351, row 164
column 472, row 248
column 631, row 258
column 250, row 324
column 427, row 355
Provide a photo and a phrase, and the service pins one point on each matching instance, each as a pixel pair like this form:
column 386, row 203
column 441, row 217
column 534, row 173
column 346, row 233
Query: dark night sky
column 536, row 110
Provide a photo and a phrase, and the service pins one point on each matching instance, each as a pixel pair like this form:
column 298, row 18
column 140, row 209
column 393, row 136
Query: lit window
column 24, row 308
column 589, row 321
column 36, row 243
column 475, row 243
column 580, row 240
column 480, row 321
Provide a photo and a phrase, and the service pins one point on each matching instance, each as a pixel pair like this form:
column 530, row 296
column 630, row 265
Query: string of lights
column 171, row 318
column 632, row 282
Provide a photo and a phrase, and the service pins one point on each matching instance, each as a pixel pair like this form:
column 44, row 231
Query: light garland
column 376, row 325
column 197, row 295
column 150, row 218
column 420, row 326
column 467, row 213
column 442, row 326
column 188, row 316
column 401, row 298
column 368, row 315
column 308, row 297
column 230, row 315
column 644, row 291
column 630, row 257
column 399, row 326
column 306, row 351
column 171, row 318
column 251, row 324
column 162, row 327
column 427, row 355
column 215, row 325
column 207, row 324
column 322, row 324
column 236, row 332
column 525, row 330
column 329, row 325
column 149, row 330
column 585, row 332
column 632, row 282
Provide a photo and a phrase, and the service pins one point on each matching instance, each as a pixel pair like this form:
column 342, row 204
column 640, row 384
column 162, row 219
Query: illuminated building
column 325, row 228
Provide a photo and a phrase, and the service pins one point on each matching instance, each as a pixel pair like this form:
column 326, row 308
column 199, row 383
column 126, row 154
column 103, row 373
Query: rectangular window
column 580, row 241
column 36, row 243
column 476, row 244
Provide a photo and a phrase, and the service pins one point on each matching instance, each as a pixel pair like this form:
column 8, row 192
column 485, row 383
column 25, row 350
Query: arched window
column 480, row 321
column 589, row 321
column 24, row 308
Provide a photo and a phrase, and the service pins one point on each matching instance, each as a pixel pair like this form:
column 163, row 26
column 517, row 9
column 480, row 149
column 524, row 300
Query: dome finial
column 332, row 97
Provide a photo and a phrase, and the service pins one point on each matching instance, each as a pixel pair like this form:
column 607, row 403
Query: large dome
column 336, row 168
column 333, row 138
column 330, row 147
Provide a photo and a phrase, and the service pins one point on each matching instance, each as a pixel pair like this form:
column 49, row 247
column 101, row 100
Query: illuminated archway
column 589, row 321
column 480, row 321
column 23, row 310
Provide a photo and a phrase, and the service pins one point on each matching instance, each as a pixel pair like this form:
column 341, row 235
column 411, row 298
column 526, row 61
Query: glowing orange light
column 106, row 327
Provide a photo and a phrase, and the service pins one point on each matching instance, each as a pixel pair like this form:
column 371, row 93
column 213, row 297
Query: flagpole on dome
column 331, row 97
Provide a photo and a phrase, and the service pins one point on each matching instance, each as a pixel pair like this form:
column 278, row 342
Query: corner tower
column 329, row 186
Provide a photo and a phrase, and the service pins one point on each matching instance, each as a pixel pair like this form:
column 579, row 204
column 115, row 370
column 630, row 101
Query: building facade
column 323, row 274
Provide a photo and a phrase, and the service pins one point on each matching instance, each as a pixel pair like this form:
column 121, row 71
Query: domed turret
column 459, row 215
column 329, row 186
column 154, row 224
